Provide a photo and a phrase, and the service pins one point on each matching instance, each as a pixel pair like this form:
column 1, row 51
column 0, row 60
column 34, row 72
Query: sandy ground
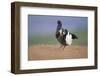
column 49, row 52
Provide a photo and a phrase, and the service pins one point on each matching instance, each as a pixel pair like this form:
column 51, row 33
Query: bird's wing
column 57, row 34
column 74, row 36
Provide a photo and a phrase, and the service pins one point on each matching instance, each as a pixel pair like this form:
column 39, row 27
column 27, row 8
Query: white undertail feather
column 69, row 39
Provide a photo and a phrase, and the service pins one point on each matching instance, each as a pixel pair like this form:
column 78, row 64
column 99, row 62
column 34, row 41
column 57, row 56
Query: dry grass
column 49, row 52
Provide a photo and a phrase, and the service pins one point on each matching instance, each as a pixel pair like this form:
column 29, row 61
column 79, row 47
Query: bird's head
column 59, row 26
column 59, row 22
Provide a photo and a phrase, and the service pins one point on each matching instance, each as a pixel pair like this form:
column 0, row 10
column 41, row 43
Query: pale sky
column 39, row 24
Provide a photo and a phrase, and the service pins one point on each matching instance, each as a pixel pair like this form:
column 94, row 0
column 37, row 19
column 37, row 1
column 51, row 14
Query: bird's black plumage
column 63, row 36
column 74, row 36
column 60, row 37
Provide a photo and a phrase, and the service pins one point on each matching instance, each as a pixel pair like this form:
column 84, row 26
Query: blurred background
column 42, row 28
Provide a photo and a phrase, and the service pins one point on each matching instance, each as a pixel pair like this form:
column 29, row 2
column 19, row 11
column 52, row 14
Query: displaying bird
column 63, row 36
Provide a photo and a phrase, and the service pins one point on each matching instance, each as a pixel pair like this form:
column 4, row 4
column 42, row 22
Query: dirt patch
column 49, row 52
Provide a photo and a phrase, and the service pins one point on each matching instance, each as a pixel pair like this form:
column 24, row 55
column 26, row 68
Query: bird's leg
column 63, row 47
column 60, row 46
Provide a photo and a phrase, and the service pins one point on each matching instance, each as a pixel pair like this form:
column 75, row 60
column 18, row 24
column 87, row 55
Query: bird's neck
column 59, row 27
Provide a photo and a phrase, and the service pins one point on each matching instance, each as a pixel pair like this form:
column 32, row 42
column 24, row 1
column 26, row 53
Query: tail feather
column 74, row 36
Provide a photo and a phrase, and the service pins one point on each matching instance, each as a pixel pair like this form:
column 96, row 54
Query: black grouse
column 63, row 36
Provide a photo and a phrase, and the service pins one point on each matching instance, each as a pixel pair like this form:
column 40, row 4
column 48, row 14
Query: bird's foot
column 62, row 47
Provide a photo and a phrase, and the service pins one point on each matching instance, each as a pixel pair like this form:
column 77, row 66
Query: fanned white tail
column 69, row 39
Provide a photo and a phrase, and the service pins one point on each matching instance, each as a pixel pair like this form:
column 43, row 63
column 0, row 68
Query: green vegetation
column 44, row 39
column 50, row 39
